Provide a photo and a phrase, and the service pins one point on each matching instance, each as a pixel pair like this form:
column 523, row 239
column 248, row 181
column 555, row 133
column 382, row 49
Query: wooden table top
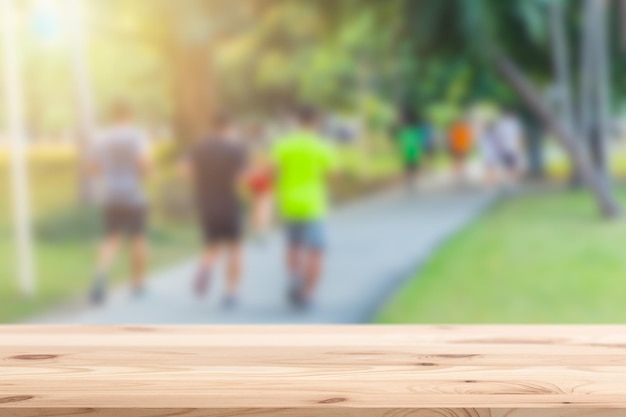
column 356, row 371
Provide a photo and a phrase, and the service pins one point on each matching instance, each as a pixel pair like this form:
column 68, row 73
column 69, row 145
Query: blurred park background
column 549, row 249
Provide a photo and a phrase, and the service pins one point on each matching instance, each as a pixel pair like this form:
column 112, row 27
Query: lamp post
column 80, row 68
column 48, row 17
column 83, row 89
column 17, row 139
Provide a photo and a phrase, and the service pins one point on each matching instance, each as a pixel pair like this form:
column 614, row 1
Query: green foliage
column 270, row 54
column 70, row 224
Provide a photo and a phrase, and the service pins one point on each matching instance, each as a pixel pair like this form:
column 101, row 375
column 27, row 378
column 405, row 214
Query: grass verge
column 544, row 258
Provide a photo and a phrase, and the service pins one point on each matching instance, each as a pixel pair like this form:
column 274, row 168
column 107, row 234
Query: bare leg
column 491, row 177
column 460, row 169
column 107, row 253
column 256, row 214
column 262, row 214
column 139, row 257
column 294, row 261
column 209, row 257
column 516, row 175
column 410, row 180
column 207, row 264
column 267, row 207
column 313, row 271
column 233, row 269
column 429, row 165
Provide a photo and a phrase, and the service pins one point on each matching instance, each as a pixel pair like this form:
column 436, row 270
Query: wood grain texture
column 356, row 371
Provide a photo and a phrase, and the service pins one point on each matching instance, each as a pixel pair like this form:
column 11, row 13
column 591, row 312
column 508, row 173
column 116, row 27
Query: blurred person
column 304, row 163
column 120, row 161
column 509, row 135
column 429, row 144
column 489, row 151
column 409, row 138
column 260, row 184
column 460, row 144
column 216, row 166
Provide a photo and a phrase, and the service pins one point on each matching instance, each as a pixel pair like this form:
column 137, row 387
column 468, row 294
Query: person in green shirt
column 304, row 163
column 409, row 137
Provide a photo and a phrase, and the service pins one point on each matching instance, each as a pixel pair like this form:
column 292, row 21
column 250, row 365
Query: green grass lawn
column 64, row 269
column 545, row 258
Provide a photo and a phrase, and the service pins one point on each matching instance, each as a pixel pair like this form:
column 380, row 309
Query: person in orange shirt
column 460, row 145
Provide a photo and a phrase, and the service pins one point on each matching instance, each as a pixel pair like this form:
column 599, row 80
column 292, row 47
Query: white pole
column 81, row 68
column 17, row 137
column 83, row 90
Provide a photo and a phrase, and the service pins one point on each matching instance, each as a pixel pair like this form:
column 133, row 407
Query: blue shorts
column 308, row 235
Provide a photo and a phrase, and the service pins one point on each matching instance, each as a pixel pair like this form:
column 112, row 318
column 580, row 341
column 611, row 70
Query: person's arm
column 185, row 165
column 144, row 157
column 331, row 162
column 273, row 164
column 91, row 164
column 245, row 171
column 184, row 168
column 146, row 165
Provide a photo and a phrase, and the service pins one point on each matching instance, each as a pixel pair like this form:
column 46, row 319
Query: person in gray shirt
column 120, row 164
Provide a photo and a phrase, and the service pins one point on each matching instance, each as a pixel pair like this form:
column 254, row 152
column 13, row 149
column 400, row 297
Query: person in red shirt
column 260, row 185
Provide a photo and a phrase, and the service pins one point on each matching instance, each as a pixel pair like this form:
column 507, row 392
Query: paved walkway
column 376, row 245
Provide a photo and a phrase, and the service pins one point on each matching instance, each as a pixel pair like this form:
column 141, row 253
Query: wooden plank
column 364, row 371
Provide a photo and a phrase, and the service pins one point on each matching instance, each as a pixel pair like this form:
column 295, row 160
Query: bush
column 68, row 225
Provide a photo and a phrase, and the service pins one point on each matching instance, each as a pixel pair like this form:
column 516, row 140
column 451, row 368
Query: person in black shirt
column 217, row 165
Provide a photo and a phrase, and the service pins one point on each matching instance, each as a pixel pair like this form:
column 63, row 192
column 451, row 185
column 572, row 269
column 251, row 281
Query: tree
column 264, row 55
column 502, row 34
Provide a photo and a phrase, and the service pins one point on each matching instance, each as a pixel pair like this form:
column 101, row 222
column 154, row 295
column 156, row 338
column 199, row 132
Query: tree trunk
column 535, row 139
column 561, row 63
column 190, row 50
column 193, row 95
column 606, row 200
column 595, row 97
column 604, row 107
column 623, row 22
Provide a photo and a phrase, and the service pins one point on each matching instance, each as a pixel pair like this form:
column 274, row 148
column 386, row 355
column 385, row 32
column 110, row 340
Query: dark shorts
column 129, row 220
column 510, row 161
column 429, row 149
column 411, row 167
column 309, row 235
column 225, row 227
column 458, row 154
